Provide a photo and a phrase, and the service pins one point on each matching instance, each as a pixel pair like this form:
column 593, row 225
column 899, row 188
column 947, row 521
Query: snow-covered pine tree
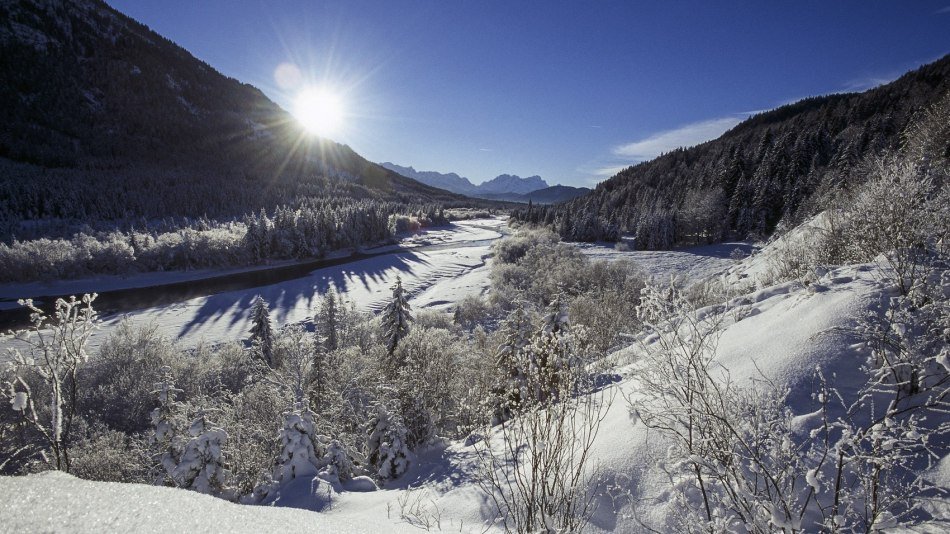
column 386, row 444
column 396, row 318
column 201, row 466
column 300, row 448
column 262, row 331
column 167, row 450
column 329, row 321
column 511, row 377
column 338, row 464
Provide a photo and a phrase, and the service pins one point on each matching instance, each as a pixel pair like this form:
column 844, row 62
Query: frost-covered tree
column 338, row 464
column 300, row 448
column 387, row 450
column 167, row 450
column 396, row 319
column 549, row 356
column 294, row 351
column 55, row 352
column 262, row 331
column 511, row 375
column 900, row 213
column 329, row 321
column 201, row 466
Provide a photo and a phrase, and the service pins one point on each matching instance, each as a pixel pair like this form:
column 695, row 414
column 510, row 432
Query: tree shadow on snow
column 302, row 294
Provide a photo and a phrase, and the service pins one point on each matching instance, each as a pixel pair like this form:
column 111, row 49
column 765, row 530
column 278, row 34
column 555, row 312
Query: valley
column 724, row 309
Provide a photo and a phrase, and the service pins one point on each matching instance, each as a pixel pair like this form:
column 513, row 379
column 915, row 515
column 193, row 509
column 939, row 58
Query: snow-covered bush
column 428, row 384
column 535, row 468
column 901, row 213
column 99, row 453
column 250, row 417
column 740, row 460
column 510, row 374
column 513, row 248
column 119, row 380
column 472, row 311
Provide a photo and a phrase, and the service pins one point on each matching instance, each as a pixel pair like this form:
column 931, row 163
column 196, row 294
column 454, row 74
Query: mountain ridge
column 504, row 187
column 771, row 171
column 119, row 107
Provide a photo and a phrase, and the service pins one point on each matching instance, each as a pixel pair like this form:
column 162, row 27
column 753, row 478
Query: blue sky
column 572, row 91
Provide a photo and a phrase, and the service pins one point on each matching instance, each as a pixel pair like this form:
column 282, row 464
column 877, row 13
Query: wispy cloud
column 609, row 170
column 863, row 84
column 942, row 11
column 484, row 150
column 684, row 136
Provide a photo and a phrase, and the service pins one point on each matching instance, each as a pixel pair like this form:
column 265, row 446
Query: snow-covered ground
column 57, row 502
column 446, row 265
column 461, row 232
column 782, row 332
column 688, row 264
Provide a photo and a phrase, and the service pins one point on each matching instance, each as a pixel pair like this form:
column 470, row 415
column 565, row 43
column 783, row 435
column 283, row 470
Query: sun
column 320, row 111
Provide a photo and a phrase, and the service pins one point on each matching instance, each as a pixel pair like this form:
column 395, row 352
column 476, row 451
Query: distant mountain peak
column 511, row 183
column 508, row 187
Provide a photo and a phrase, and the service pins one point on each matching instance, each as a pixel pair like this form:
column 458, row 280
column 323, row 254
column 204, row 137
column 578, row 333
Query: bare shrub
column 55, row 351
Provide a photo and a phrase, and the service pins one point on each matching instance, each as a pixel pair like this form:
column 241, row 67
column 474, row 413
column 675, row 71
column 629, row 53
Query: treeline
column 770, row 172
column 308, row 231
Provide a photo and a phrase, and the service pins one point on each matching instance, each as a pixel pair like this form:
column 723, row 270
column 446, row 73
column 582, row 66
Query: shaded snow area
column 447, row 274
column 447, row 265
column 460, row 233
column 687, row 265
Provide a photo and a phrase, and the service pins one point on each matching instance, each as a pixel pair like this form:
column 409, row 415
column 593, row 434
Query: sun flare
column 319, row 111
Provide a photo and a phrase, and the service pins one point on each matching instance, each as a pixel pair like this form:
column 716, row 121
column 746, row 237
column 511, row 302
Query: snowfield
column 780, row 333
column 57, row 502
column 441, row 266
column 688, row 265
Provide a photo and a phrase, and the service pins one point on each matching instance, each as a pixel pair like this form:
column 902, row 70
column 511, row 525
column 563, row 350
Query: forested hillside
column 772, row 170
column 105, row 120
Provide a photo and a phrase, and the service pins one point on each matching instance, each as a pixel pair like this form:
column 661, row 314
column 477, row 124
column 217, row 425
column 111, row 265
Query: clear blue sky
column 567, row 90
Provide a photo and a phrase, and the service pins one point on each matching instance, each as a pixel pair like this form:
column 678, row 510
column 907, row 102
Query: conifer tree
column 300, row 448
column 329, row 321
column 163, row 438
column 396, row 320
column 387, row 450
column 549, row 354
column 262, row 331
column 201, row 466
